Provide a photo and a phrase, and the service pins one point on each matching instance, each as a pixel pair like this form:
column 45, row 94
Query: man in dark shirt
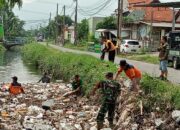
column 45, row 79
column 76, row 87
column 163, row 56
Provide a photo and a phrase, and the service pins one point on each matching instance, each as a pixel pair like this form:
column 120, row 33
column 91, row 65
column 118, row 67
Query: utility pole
column 151, row 30
column 119, row 23
column 75, row 25
column 49, row 25
column 174, row 20
column 57, row 25
column 121, row 18
column 63, row 40
column 118, row 19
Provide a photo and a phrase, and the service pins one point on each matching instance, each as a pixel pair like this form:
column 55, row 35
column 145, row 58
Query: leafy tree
column 13, row 26
column 11, row 3
column 68, row 20
column 51, row 29
column 83, row 29
column 107, row 23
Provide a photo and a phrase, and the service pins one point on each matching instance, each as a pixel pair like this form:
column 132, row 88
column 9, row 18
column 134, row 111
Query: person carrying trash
column 15, row 87
column 76, row 87
column 110, row 48
column 110, row 90
column 45, row 79
column 132, row 73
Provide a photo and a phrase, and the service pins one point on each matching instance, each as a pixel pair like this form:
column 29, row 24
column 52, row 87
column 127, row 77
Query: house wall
column 158, row 11
column 71, row 35
column 134, row 34
column 93, row 22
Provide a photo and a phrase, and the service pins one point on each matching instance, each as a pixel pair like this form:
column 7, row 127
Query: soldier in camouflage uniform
column 110, row 90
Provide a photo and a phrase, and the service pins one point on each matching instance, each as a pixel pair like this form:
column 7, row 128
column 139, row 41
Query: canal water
column 11, row 64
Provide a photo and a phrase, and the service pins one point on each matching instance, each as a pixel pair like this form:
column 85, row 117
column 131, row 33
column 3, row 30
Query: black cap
column 122, row 63
column 15, row 78
column 109, row 74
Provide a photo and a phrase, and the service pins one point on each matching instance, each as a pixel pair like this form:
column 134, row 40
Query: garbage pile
column 43, row 108
column 133, row 116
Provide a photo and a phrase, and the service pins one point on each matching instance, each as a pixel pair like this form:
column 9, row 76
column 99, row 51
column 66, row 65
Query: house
column 93, row 21
column 71, row 34
column 149, row 24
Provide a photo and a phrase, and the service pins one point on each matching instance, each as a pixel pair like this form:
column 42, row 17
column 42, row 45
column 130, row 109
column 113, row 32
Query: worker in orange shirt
column 15, row 87
column 132, row 73
column 110, row 48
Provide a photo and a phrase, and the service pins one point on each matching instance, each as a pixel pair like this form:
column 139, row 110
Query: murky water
column 11, row 64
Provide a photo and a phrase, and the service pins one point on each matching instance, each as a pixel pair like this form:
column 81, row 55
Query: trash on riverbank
column 42, row 107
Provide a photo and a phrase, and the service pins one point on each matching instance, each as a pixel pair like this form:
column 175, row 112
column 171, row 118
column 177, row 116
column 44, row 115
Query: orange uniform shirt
column 15, row 90
column 131, row 72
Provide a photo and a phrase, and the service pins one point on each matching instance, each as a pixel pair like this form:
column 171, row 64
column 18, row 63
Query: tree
column 13, row 26
column 51, row 29
column 107, row 23
column 83, row 29
column 11, row 3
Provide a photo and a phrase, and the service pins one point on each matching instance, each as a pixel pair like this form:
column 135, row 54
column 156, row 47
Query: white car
column 130, row 46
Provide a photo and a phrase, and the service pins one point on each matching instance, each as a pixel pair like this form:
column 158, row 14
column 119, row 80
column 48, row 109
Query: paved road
column 153, row 70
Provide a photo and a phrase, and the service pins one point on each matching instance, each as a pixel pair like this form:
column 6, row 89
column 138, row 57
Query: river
column 11, row 64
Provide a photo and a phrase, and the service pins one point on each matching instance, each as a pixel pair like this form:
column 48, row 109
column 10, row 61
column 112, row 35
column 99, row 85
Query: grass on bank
column 81, row 47
column 148, row 58
column 65, row 65
column 2, row 48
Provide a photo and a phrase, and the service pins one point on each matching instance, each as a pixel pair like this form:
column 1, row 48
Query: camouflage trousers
column 106, row 107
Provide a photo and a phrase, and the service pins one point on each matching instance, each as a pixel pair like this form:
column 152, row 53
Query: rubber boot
column 99, row 126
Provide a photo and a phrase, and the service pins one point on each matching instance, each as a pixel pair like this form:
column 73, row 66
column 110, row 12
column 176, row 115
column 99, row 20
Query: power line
column 84, row 14
column 52, row 3
column 100, row 8
column 70, row 7
column 94, row 5
column 61, row 11
column 95, row 8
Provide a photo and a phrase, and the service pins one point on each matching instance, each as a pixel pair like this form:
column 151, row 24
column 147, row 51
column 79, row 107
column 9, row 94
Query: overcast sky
column 36, row 12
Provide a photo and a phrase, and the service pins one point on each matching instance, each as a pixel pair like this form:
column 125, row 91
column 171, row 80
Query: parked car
column 130, row 46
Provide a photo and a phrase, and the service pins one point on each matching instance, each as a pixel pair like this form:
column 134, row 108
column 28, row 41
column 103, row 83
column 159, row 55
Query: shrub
column 2, row 49
column 160, row 93
column 65, row 65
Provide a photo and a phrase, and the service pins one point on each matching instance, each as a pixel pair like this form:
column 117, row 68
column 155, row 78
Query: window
column 133, row 43
column 123, row 42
